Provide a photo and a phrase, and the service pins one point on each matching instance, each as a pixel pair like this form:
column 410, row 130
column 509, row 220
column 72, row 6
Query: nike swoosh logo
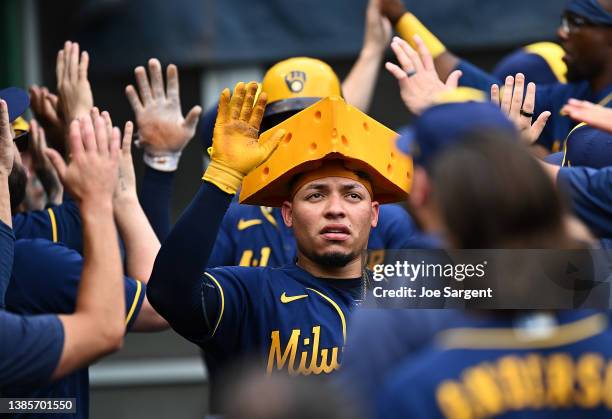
column 244, row 224
column 285, row 299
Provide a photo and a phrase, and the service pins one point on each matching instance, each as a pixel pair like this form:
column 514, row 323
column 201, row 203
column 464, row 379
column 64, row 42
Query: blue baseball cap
column 445, row 124
column 17, row 100
column 588, row 146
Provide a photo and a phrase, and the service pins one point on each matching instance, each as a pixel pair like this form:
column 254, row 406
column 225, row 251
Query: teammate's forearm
column 141, row 243
column 101, row 290
column 358, row 86
column 5, row 201
column 155, row 198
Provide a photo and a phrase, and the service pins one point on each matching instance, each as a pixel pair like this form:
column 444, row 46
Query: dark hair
column 493, row 194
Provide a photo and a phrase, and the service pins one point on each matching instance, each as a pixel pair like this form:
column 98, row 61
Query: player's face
column 587, row 47
column 17, row 180
column 331, row 220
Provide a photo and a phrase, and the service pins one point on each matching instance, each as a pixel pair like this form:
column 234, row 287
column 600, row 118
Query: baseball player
column 294, row 318
column 37, row 349
column 507, row 364
column 585, row 37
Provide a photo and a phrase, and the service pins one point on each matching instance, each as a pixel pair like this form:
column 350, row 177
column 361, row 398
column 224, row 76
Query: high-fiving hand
column 159, row 118
column 236, row 149
column 518, row 110
column 417, row 77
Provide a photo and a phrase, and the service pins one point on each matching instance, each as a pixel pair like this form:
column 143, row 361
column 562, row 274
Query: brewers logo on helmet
column 296, row 83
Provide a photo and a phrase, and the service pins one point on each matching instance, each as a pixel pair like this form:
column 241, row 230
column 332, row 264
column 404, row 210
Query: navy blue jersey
column 50, row 285
column 380, row 339
column 286, row 318
column 555, row 367
column 257, row 236
column 7, row 247
column 58, row 223
column 253, row 236
column 30, row 350
column 550, row 97
column 591, row 196
column 30, row 346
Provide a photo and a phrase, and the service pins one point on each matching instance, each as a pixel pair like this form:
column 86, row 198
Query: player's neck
column 350, row 271
column 603, row 79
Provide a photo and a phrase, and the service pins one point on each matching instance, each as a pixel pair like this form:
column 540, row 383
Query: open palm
column 159, row 118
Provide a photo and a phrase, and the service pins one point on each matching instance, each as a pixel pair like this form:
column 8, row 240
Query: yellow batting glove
column 409, row 25
column 236, row 149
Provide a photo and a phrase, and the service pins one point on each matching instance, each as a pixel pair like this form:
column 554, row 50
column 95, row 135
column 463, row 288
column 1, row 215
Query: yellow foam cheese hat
column 330, row 129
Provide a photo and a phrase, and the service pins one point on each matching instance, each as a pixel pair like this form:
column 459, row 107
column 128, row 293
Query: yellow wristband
column 409, row 25
column 225, row 178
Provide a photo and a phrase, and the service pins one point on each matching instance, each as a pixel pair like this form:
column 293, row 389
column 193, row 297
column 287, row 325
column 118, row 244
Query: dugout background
column 213, row 42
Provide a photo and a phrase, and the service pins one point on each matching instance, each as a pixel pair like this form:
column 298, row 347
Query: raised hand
column 6, row 141
column 91, row 175
column 45, row 106
column 162, row 129
column 42, row 165
column 236, row 149
column 417, row 77
column 595, row 115
column 518, row 110
column 76, row 98
column 377, row 30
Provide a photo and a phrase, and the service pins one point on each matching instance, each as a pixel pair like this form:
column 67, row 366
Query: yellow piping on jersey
column 340, row 313
column 222, row 301
column 134, row 303
column 53, row 225
column 567, row 138
column 506, row 338
column 268, row 214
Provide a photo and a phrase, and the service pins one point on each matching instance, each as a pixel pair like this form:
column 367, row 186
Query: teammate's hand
column 159, row 118
column 91, row 175
column 236, row 149
column 392, row 9
column 45, row 106
column 595, row 115
column 6, row 142
column 377, row 30
column 518, row 110
column 75, row 94
column 42, row 165
column 418, row 80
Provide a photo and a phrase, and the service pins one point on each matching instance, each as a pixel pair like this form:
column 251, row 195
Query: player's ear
column 419, row 193
column 375, row 212
column 287, row 213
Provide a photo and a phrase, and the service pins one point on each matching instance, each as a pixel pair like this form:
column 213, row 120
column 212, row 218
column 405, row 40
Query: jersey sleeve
column 7, row 247
column 230, row 287
column 175, row 286
column 31, row 348
column 224, row 250
column 58, row 223
column 396, row 227
column 56, row 290
column 475, row 78
column 591, row 196
column 155, row 197
column 135, row 293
